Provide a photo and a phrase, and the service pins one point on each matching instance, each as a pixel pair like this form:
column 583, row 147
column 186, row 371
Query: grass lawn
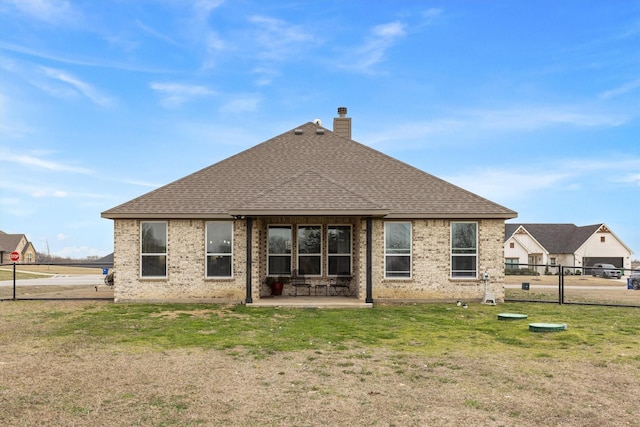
column 434, row 364
column 7, row 274
column 46, row 270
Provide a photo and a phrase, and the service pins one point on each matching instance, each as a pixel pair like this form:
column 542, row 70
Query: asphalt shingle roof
column 556, row 238
column 9, row 242
column 310, row 170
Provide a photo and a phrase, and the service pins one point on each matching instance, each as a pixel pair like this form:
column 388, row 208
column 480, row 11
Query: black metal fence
column 562, row 284
column 558, row 284
column 55, row 281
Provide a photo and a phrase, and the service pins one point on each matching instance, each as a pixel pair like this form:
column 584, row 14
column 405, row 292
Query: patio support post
column 249, row 299
column 369, row 297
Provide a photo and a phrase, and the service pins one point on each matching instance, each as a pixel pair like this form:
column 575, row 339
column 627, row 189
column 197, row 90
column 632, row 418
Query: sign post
column 14, row 281
column 15, row 256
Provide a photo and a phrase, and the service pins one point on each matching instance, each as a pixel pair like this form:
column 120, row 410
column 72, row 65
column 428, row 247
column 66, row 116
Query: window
column 153, row 249
column 310, row 250
column 511, row 263
column 397, row 249
column 339, row 250
column 552, row 261
column 219, row 238
column 279, row 250
column 464, row 250
column 512, row 245
column 602, row 239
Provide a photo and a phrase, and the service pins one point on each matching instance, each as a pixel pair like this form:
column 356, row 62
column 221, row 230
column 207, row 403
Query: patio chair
column 298, row 281
column 342, row 285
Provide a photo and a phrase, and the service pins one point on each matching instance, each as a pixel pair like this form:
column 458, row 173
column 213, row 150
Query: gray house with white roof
column 314, row 201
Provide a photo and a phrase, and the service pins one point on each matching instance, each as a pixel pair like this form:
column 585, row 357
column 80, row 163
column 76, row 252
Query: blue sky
column 532, row 104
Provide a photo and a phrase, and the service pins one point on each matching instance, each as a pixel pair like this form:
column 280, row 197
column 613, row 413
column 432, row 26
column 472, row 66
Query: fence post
column 561, row 291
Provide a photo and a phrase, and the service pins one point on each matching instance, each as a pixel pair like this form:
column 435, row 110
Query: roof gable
column 555, row 238
column 300, row 161
column 9, row 242
column 308, row 193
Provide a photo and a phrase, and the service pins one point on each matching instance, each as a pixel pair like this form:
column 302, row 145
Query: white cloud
column 39, row 163
column 490, row 183
column 561, row 175
column 77, row 60
column 632, row 178
column 176, row 94
column 78, row 86
column 373, row 51
column 277, row 39
column 157, row 34
column 242, row 104
column 50, row 11
column 204, row 7
column 621, row 90
column 431, row 14
column 390, row 30
column 534, row 117
column 45, row 192
column 509, row 119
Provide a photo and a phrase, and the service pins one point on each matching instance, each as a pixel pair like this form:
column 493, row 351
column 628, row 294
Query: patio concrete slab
column 310, row 302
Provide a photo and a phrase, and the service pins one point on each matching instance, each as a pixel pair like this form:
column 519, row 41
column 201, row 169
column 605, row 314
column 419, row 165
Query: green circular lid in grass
column 511, row 316
column 547, row 327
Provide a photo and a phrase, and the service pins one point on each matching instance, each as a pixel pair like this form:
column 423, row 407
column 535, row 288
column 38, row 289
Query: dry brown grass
column 62, row 382
column 54, row 292
column 56, row 269
column 568, row 280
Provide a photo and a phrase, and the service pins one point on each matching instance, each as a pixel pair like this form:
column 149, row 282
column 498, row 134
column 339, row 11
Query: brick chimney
column 342, row 124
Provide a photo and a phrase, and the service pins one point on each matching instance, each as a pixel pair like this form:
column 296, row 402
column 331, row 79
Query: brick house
column 16, row 243
column 311, row 200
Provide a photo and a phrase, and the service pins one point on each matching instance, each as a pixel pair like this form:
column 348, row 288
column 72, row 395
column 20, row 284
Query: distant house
column 563, row 244
column 315, row 201
column 16, row 243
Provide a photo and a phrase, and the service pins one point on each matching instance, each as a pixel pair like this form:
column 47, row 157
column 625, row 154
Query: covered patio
column 310, row 301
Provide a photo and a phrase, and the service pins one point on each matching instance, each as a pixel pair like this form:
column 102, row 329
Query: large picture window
column 397, row 249
column 339, row 250
column 279, row 250
column 310, row 250
column 219, row 238
column 153, row 249
column 464, row 250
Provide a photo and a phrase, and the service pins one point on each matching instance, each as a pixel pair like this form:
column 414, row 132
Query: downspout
column 249, row 299
column 369, row 296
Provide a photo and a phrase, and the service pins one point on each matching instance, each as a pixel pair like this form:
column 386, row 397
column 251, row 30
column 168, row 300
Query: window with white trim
column 279, row 250
column 511, row 263
column 464, row 250
column 219, row 239
column 153, row 249
column 310, row 250
column 339, row 250
column 397, row 250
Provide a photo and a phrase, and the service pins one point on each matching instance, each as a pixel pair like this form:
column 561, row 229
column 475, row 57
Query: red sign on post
column 15, row 256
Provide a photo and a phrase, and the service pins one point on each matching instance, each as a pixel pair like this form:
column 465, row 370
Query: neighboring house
column 563, row 244
column 16, row 243
column 311, row 200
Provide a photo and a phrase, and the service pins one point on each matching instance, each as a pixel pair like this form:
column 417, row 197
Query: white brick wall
column 186, row 262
